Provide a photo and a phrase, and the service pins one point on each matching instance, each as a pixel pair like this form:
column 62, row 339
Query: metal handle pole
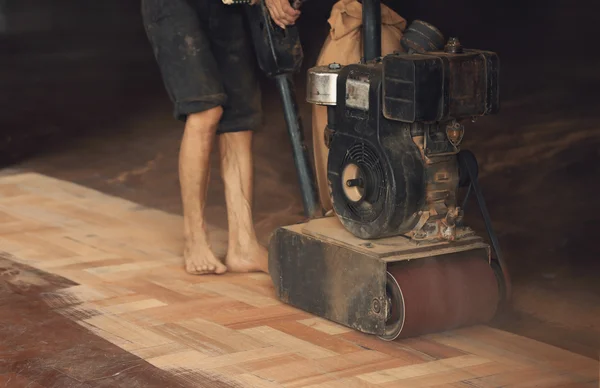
column 300, row 151
column 468, row 163
column 371, row 29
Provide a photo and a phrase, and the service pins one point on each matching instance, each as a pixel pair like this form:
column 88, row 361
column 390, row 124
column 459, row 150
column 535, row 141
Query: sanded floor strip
column 231, row 330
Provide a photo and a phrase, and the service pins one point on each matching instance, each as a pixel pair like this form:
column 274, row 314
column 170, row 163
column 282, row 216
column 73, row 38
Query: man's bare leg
column 194, row 173
column 245, row 254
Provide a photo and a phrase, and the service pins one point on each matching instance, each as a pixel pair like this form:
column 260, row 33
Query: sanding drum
column 437, row 294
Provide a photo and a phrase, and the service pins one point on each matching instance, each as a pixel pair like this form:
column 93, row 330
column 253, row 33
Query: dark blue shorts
column 206, row 59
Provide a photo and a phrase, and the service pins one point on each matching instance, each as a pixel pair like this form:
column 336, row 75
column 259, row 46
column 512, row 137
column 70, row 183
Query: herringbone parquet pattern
column 133, row 292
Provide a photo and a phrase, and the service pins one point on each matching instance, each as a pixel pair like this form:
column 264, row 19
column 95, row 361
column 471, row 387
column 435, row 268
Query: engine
column 395, row 126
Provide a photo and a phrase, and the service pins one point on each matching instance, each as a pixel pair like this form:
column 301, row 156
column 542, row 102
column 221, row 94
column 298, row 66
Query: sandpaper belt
column 444, row 293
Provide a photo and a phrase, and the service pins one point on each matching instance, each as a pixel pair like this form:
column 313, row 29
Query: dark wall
column 66, row 15
column 67, row 67
column 66, row 60
column 533, row 27
column 525, row 27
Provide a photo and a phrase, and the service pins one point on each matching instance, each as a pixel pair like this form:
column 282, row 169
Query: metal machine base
column 390, row 287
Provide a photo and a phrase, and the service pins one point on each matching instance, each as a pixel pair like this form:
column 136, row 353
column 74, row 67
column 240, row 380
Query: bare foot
column 250, row 258
column 199, row 260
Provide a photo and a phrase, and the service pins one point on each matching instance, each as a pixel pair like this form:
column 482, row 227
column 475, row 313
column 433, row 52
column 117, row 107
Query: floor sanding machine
column 395, row 258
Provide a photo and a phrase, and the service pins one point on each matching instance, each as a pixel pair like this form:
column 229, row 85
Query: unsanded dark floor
column 41, row 348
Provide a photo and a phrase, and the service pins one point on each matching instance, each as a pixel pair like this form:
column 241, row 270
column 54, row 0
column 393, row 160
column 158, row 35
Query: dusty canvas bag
column 344, row 46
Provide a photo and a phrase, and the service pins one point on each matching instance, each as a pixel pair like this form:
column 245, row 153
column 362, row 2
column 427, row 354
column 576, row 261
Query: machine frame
column 321, row 267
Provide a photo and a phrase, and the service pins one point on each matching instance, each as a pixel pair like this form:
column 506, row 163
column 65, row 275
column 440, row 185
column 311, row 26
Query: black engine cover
column 390, row 179
column 437, row 86
column 277, row 51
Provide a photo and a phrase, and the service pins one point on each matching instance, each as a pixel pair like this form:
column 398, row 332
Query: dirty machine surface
column 395, row 258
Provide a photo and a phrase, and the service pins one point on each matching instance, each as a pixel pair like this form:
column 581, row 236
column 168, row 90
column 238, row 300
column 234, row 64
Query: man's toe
column 221, row 269
column 190, row 267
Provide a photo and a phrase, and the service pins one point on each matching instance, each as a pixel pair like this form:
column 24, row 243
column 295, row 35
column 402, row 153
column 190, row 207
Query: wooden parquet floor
column 230, row 330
